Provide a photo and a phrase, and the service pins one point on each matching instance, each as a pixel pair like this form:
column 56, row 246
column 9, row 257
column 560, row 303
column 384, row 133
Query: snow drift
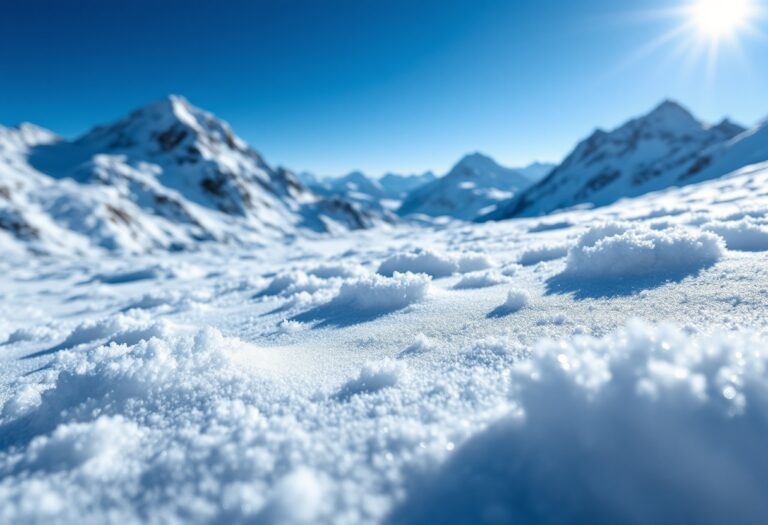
column 646, row 426
column 616, row 250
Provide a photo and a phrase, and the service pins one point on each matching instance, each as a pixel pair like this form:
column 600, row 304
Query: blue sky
column 388, row 85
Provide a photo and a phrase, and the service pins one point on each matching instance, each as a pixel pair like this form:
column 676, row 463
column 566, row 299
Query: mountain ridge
column 662, row 148
column 165, row 176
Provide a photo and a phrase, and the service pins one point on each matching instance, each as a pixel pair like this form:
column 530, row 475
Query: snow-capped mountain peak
column 25, row 135
column 648, row 153
column 476, row 184
column 165, row 176
column 671, row 116
column 170, row 125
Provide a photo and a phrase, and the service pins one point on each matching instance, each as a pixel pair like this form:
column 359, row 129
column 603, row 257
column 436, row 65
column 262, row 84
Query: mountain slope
column 356, row 188
column 536, row 171
column 662, row 149
column 399, row 186
column 166, row 176
column 475, row 185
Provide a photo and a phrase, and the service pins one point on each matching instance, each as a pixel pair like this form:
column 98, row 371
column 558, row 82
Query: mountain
column 165, row 177
column 667, row 147
column 751, row 147
column 356, row 187
column 378, row 196
column 536, row 171
column 399, row 186
column 355, row 182
column 475, row 186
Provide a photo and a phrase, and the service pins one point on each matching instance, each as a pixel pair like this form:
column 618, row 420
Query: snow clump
column 516, row 300
column 746, row 235
column 435, row 264
column 374, row 293
column 616, row 250
column 480, row 280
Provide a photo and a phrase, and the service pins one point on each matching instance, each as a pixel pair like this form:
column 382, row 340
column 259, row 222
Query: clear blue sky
column 402, row 85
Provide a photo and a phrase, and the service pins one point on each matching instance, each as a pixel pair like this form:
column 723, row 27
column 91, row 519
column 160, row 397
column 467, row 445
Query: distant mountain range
column 476, row 184
column 170, row 175
column 667, row 147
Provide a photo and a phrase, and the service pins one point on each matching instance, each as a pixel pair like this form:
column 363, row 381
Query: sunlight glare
column 716, row 19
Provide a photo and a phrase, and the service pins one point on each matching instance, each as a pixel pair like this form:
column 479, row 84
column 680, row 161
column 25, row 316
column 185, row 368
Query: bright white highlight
column 716, row 19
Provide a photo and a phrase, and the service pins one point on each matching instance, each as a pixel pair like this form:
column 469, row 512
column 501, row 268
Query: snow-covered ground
column 603, row 366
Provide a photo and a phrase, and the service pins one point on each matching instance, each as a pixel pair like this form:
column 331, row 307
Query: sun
column 718, row 19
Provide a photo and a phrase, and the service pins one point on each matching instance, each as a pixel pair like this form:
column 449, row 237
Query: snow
column 433, row 263
column 369, row 297
column 645, row 426
column 516, row 300
column 746, row 234
column 480, row 280
column 666, row 147
column 374, row 377
column 165, row 177
column 473, row 185
column 542, row 254
column 617, row 250
column 601, row 365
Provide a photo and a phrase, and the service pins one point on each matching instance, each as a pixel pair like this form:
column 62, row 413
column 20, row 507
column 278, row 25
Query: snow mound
column 34, row 333
column 298, row 499
column 543, row 254
column 292, row 283
column 480, row 280
column 516, row 300
column 473, row 262
column 382, row 294
column 421, row 345
column 129, row 276
column 419, row 261
column 433, row 263
column 340, row 270
column 645, row 426
column 616, row 250
column 745, row 235
column 374, row 377
column 97, row 448
column 287, row 326
column 119, row 329
column 546, row 226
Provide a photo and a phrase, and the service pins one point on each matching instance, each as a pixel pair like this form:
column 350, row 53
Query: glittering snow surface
column 602, row 367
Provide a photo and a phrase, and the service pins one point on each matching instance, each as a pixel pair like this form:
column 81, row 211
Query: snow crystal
column 617, row 250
